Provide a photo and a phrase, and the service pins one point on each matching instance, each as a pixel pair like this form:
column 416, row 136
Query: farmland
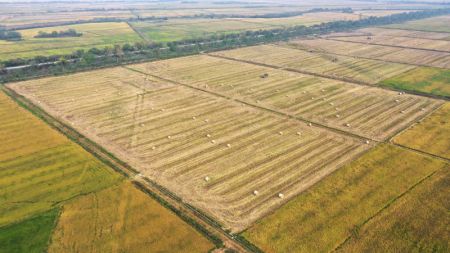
column 427, row 80
column 366, row 111
column 377, row 52
column 123, row 219
column 43, row 158
column 416, row 222
column 431, row 135
column 360, row 70
column 98, row 35
column 212, row 152
column 435, row 24
column 351, row 196
column 380, row 37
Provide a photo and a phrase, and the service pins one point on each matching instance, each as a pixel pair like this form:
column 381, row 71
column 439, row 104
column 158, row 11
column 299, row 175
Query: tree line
column 140, row 51
column 9, row 35
column 60, row 34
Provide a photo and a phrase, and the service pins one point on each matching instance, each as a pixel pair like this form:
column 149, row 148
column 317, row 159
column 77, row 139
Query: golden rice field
column 357, row 69
column 431, row 135
column 377, row 52
column 417, row 222
column 434, row 24
column 367, row 111
column 39, row 167
column 337, row 207
column 234, row 161
column 122, row 219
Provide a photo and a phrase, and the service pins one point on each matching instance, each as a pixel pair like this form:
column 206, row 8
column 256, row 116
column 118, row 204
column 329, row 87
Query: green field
column 417, row 222
column 324, row 216
column 98, row 35
column 39, row 167
column 423, row 79
column 31, row 235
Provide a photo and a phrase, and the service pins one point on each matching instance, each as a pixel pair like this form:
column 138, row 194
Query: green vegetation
column 324, row 216
column 40, row 167
column 60, row 34
column 423, row 79
column 30, row 236
column 417, row 222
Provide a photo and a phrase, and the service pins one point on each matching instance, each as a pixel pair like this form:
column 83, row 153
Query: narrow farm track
column 187, row 211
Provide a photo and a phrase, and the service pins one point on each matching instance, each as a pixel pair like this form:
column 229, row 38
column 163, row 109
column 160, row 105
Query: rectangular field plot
column 384, row 53
column 434, row 24
column 39, row 167
column 431, row 135
column 123, row 219
column 402, row 33
column 382, row 38
column 234, row 161
column 321, row 218
column 370, row 112
column 336, row 66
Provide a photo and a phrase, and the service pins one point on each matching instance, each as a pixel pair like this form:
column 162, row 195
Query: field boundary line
column 421, row 152
column 385, row 207
column 195, row 218
column 137, row 32
column 289, row 116
column 384, row 45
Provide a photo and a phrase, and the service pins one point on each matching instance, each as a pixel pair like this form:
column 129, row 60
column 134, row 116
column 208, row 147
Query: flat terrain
column 334, row 66
column 30, row 235
column 41, row 168
column 98, row 35
column 417, row 222
column 123, row 219
column 431, row 135
column 384, row 53
column 367, row 111
column 378, row 36
column 434, row 24
column 424, row 79
column 211, row 151
column 325, row 215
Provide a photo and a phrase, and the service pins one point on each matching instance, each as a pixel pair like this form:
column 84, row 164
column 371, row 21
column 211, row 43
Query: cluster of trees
column 9, row 35
column 56, row 34
column 127, row 53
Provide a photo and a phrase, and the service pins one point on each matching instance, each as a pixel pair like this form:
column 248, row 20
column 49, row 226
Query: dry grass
column 434, row 24
column 384, row 53
column 431, row 135
column 321, row 218
column 370, row 112
column 417, row 222
column 123, row 219
column 162, row 130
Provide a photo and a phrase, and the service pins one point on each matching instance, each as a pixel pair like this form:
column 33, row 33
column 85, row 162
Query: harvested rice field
column 333, row 66
column 423, row 79
column 378, row 36
column 39, row 167
column 336, row 208
column 377, row 52
column 234, row 161
column 434, row 24
column 123, row 219
column 417, row 222
column 431, row 135
column 366, row 111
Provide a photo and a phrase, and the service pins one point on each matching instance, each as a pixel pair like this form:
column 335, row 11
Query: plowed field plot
column 373, row 37
column 235, row 162
column 385, row 53
column 370, row 112
column 39, row 167
column 362, row 70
